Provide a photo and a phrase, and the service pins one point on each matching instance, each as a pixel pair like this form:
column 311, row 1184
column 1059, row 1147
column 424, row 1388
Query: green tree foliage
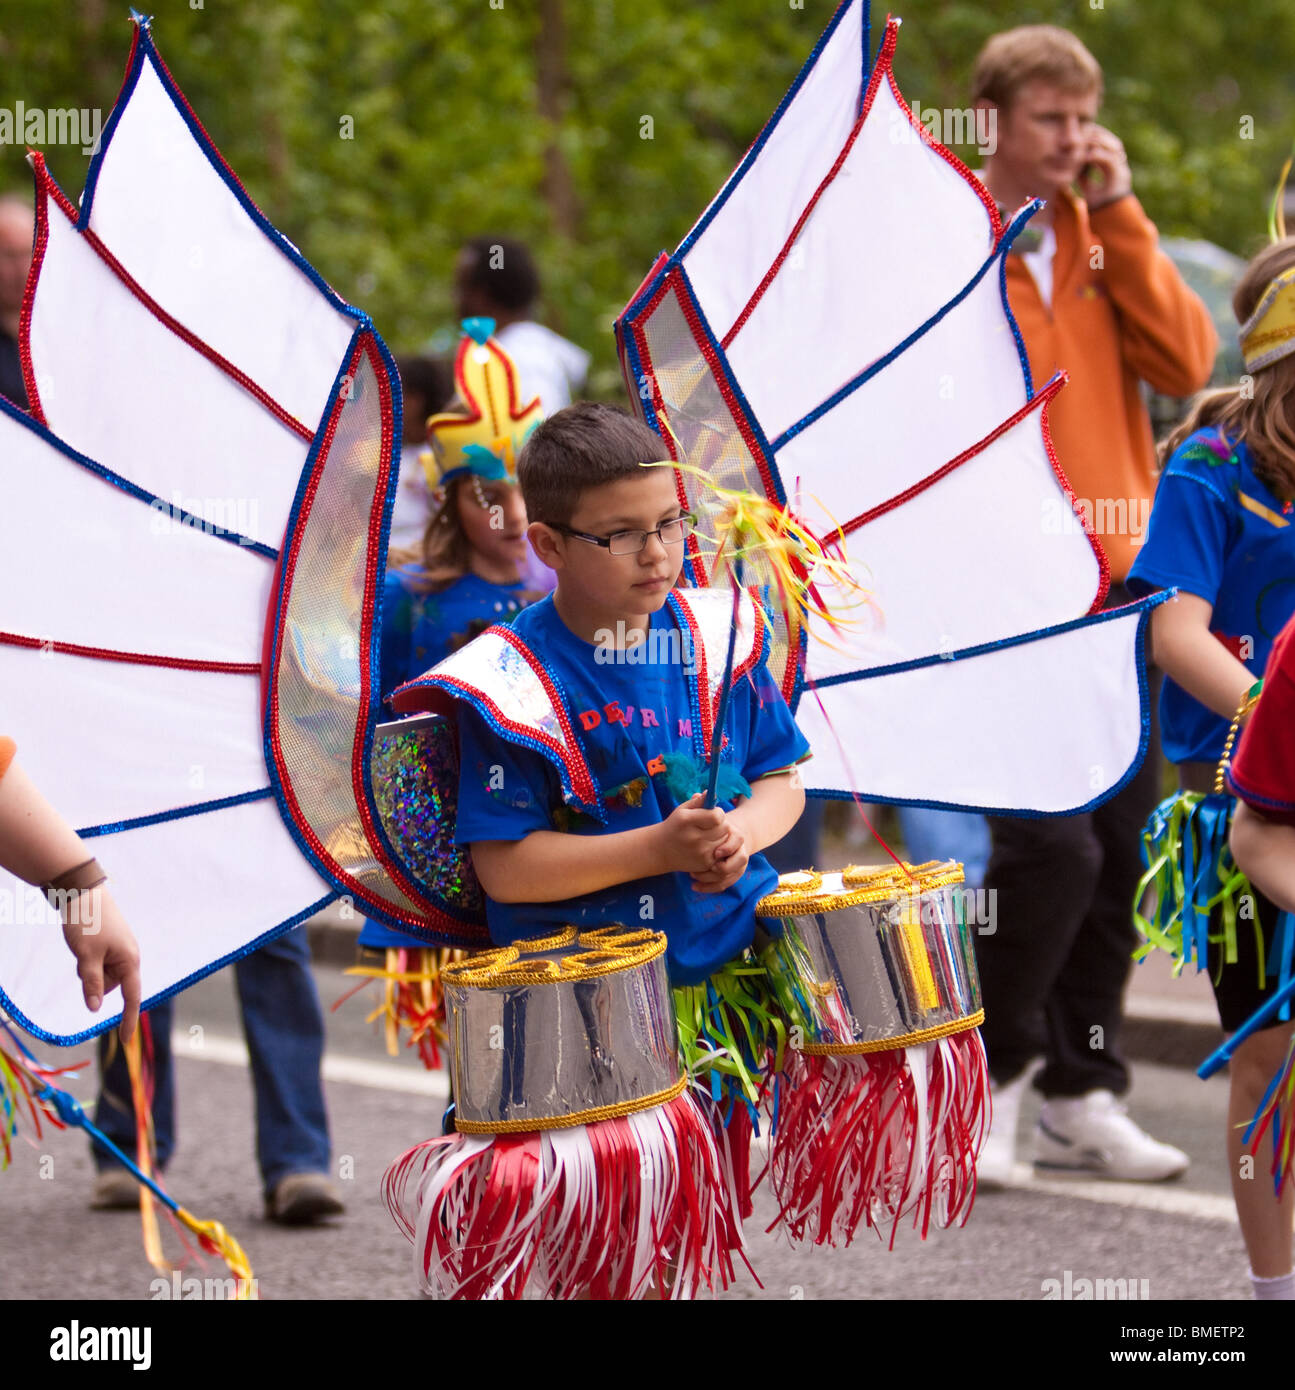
column 379, row 137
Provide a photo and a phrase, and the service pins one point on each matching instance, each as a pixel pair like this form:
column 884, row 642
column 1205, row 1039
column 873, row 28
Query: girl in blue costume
column 1223, row 533
column 468, row 573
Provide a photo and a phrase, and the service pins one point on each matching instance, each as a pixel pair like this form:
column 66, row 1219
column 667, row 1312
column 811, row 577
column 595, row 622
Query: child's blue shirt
column 631, row 717
column 1217, row 532
column 419, row 630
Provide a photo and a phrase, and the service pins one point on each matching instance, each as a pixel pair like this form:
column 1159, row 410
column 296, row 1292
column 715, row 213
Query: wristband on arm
column 78, row 879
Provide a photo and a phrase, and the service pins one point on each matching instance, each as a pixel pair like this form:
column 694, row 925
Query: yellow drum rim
column 924, row 1035
column 609, row 951
column 579, row 1117
column 555, row 941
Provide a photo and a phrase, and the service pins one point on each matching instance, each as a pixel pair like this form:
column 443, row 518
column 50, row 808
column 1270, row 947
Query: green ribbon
column 1191, row 872
column 729, row 1028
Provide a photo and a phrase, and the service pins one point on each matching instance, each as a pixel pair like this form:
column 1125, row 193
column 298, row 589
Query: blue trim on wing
column 1142, row 606
column 1010, row 233
column 69, row 1040
column 177, row 514
column 146, row 48
column 143, row 35
column 294, row 521
column 199, row 808
column 762, row 139
column 376, row 715
column 1011, row 320
column 1106, row 615
column 867, row 52
column 374, row 910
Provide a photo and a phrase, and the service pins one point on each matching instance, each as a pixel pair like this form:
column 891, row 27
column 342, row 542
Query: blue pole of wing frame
column 726, row 689
column 1257, row 1020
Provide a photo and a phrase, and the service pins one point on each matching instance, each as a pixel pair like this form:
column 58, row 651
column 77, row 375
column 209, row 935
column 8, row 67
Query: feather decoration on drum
column 888, row 1101
column 582, row 1165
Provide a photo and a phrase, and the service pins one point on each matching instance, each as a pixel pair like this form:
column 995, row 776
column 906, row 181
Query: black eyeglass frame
column 688, row 519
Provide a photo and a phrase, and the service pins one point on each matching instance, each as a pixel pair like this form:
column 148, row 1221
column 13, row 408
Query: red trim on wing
column 428, row 915
column 661, row 259
column 694, row 558
column 1035, row 403
column 946, row 154
column 759, row 638
column 176, row 663
column 29, row 291
column 1103, row 562
column 1042, row 403
column 692, row 551
column 582, row 778
column 372, row 577
column 187, row 336
column 692, row 316
column 880, row 67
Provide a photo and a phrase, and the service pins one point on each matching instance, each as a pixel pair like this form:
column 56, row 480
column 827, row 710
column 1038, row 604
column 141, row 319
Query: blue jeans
column 284, row 1027
column 960, row 835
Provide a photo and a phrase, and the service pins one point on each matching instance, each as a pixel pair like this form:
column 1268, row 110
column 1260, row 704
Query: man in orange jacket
column 1093, row 294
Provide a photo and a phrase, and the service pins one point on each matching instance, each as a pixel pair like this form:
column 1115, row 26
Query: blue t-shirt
column 631, row 716
column 1217, row 532
column 419, row 631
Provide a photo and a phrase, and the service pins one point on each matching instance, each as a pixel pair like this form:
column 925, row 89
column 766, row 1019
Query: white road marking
column 385, row 1076
column 1168, row 1199
column 1171, row 1009
column 1162, row 1197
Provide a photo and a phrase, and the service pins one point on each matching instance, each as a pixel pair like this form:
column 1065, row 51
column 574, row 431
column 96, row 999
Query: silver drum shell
column 875, row 973
column 543, row 1055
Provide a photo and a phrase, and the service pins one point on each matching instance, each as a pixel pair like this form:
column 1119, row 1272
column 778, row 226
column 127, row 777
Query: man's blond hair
column 1033, row 53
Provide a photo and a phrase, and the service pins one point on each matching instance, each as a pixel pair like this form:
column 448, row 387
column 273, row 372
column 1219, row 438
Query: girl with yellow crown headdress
column 468, row 573
column 1223, row 533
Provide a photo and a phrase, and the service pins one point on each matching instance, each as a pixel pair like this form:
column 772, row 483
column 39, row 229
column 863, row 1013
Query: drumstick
column 1257, row 1020
column 717, row 734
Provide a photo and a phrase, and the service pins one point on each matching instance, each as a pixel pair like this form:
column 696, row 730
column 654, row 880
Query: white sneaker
column 1093, row 1135
column 998, row 1156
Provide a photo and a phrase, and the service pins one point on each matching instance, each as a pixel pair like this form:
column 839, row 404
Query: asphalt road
column 1181, row 1238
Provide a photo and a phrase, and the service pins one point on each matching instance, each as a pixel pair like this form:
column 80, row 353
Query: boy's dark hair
column 503, row 270
column 583, row 446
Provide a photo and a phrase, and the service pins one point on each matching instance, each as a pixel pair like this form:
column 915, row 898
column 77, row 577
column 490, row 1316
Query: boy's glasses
column 669, row 532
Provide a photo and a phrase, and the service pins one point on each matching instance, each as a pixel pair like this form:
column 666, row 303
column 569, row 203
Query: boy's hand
column 731, row 858
column 691, row 836
column 106, row 953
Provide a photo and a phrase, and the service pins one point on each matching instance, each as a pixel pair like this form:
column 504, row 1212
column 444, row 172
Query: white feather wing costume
column 835, row 331
column 195, row 532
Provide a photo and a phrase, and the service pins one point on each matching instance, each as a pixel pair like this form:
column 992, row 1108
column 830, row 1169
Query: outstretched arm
column 1183, row 646
column 38, row 845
